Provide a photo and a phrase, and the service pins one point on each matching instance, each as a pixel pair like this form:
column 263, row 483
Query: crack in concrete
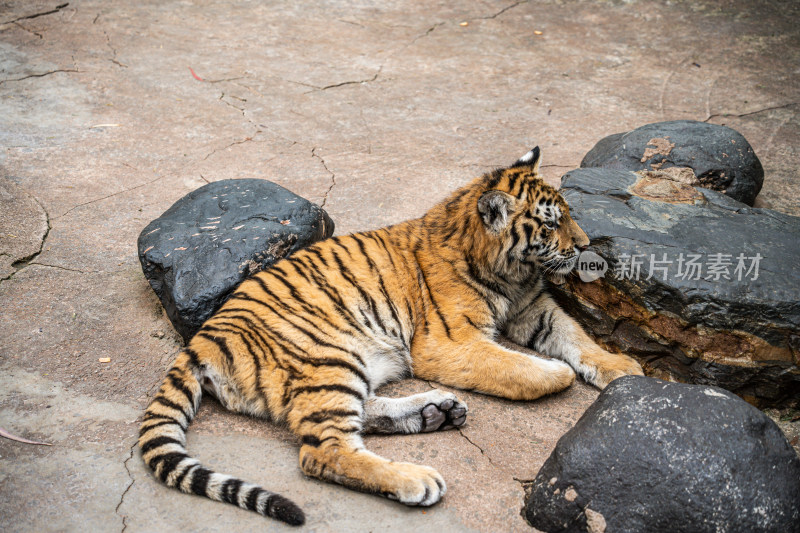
column 36, row 33
column 512, row 6
column 341, row 84
column 427, row 32
column 107, row 197
column 122, row 496
column 65, row 268
column 380, row 67
column 36, row 15
column 483, row 453
column 240, row 109
column 41, row 75
column 113, row 52
column 333, row 176
column 461, row 432
column 740, row 115
column 234, row 143
column 20, row 264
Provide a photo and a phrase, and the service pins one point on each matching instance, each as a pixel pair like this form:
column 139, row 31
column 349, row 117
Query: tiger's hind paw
column 447, row 414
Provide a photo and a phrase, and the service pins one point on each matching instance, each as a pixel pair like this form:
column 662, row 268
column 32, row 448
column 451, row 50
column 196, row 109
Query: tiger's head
column 529, row 220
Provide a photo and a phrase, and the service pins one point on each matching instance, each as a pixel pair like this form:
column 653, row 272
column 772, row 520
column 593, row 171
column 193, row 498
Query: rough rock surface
column 650, row 455
column 210, row 240
column 700, row 288
column 721, row 157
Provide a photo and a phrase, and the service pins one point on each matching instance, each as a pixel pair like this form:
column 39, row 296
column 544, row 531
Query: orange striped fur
column 309, row 341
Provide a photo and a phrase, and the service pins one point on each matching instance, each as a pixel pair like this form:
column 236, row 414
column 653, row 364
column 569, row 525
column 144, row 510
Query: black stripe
column 222, row 344
column 200, row 481
column 334, row 296
column 155, row 416
column 311, row 440
column 476, row 276
column 280, row 275
column 182, row 475
column 433, row 301
column 364, row 295
column 321, row 416
column 514, row 237
column 166, row 403
column 244, row 334
column 337, row 388
column 319, row 361
column 301, row 271
column 375, row 236
column 544, row 332
column 152, row 444
column 319, row 255
column 450, row 234
column 192, row 356
column 494, row 178
column 144, row 429
column 230, row 490
column 536, row 330
column 311, row 309
column 314, row 337
column 170, row 459
column 512, row 181
column 178, row 383
column 473, row 324
column 382, row 285
column 252, row 499
column 256, row 331
column 522, row 184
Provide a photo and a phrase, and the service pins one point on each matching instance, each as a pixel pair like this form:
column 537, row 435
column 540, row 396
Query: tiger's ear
column 494, row 207
column 531, row 159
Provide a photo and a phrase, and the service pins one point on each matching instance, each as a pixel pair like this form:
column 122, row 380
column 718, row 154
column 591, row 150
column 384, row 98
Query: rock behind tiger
column 650, row 455
column 721, row 158
column 210, row 240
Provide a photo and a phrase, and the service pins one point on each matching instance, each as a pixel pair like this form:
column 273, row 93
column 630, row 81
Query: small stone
column 157, row 334
column 570, row 495
column 705, row 148
column 595, row 522
column 210, row 240
column 653, row 456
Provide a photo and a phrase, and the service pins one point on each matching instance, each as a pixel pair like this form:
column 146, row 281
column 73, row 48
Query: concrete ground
column 374, row 109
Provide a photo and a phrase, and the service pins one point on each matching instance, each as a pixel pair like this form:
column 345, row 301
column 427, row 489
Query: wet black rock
column 720, row 157
column 700, row 288
column 650, row 455
column 210, row 240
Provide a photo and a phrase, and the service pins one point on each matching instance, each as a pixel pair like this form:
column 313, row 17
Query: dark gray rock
column 735, row 325
column 210, row 240
column 721, row 157
column 655, row 456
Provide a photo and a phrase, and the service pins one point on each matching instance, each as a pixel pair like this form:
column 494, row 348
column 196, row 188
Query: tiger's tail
column 162, row 440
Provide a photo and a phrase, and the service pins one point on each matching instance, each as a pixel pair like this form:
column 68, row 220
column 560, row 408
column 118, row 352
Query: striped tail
column 162, row 440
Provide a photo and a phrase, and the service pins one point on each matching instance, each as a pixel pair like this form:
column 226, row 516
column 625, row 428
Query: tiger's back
column 307, row 342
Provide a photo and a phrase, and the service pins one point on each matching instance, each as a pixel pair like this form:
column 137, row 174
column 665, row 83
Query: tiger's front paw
column 414, row 484
column 620, row 365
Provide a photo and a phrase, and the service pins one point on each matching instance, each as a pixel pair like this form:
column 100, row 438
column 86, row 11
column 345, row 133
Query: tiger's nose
column 582, row 247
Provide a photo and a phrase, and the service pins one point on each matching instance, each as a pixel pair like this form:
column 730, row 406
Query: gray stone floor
column 374, row 109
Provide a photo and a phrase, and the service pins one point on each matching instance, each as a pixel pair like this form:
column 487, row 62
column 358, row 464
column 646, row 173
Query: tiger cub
column 309, row 341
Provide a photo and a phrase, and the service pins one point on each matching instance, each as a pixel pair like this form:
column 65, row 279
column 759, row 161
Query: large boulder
column 721, row 158
column 700, row 288
column 210, row 240
column 655, row 456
